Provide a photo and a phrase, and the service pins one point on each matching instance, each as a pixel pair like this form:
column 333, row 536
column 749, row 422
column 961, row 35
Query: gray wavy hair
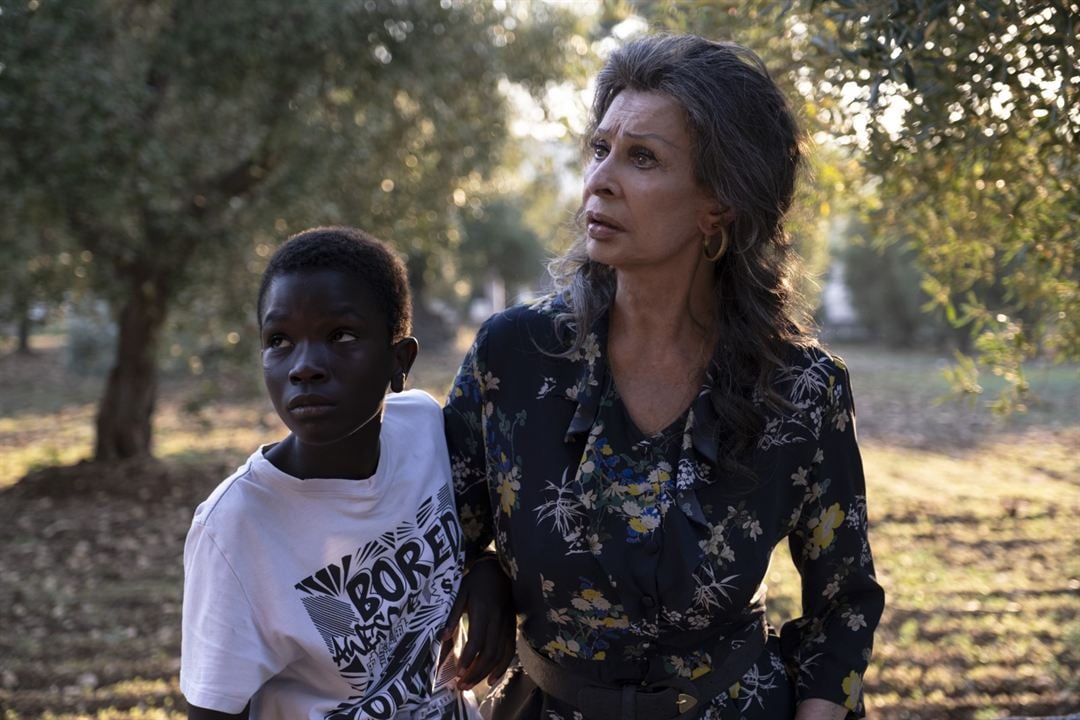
column 747, row 153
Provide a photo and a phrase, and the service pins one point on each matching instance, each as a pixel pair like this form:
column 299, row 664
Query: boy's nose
column 306, row 373
column 308, row 368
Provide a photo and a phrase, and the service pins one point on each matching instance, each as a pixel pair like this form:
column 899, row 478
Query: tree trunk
column 126, row 410
column 23, row 346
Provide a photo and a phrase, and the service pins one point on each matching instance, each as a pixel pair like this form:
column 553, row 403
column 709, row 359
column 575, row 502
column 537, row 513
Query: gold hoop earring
column 725, row 240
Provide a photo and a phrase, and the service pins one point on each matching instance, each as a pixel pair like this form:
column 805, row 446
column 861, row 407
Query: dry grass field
column 974, row 528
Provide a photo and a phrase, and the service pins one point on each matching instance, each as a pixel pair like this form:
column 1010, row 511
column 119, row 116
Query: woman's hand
column 198, row 713
column 487, row 601
column 818, row 709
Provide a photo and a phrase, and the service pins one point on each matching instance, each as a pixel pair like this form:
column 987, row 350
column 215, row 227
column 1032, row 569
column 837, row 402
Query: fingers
column 490, row 647
column 447, row 633
column 502, row 663
column 485, row 600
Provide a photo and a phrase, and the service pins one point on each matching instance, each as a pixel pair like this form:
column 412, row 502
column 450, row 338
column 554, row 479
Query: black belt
column 672, row 697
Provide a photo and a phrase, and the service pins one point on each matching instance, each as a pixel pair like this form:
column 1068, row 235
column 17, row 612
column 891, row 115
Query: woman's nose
column 309, row 367
column 600, row 178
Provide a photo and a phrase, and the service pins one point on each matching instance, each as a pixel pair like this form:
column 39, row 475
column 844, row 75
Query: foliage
column 169, row 139
column 974, row 132
column 886, row 291
column 496, row 242
column 967, row 121
column 37, row 272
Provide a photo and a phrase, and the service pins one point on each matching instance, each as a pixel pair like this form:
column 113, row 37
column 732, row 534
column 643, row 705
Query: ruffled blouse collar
column 684, row 529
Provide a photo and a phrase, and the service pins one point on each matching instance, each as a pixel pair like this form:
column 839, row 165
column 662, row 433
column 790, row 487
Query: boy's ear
column 405, row 351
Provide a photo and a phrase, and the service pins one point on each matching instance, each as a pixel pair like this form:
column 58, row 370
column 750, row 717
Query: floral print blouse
column 627, row 553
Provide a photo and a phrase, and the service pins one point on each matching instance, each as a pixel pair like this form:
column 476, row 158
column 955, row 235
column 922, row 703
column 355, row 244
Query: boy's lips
column 309, row 405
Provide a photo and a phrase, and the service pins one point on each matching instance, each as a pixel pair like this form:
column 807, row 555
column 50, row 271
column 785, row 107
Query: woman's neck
column 659, row 308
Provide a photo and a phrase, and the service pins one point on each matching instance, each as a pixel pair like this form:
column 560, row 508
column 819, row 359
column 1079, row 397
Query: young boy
column 318, row 575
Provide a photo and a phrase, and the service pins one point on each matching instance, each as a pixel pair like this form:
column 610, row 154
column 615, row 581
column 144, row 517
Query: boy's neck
column 357, row 458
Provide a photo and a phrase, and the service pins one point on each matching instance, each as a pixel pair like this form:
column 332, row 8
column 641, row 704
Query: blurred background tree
column 165, row 139
column 884, row 279
column 966, row 121
column 154, row 154
column 968, row 116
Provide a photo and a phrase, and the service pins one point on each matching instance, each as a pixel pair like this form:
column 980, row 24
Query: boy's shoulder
column 228, row 495
column 411, row 401
column 413, row 409
column 413, row 419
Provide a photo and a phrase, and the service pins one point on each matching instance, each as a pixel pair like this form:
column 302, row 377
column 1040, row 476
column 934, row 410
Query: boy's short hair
column 354, row 252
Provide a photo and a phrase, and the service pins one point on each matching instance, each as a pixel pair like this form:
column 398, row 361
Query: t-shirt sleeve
column 830, row 645
column 464, row 418
column 224, row 658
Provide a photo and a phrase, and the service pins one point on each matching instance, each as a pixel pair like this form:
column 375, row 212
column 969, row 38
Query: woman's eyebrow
column 602, row 131
column 651, row 136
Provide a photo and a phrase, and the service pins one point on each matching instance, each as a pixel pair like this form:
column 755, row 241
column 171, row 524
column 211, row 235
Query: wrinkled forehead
column 638, row 113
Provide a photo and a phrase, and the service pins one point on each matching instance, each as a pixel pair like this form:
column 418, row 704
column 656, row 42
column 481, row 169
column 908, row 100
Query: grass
column 973, row 529
column 981, row 568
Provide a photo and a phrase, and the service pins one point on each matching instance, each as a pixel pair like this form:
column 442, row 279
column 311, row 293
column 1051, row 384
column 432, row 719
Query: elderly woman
column 636, row 444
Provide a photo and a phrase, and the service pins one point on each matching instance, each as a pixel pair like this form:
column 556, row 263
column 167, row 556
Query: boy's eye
column 600, row 149
column 342, row 336
column 278, row 341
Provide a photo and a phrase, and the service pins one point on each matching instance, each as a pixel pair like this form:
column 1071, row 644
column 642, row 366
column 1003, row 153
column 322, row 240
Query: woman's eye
column 342, row 336
column 278, row 341
column 643, row 157
column 599, row 149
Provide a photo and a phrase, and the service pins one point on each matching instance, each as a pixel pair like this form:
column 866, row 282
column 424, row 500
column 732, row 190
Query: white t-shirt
column 322, row 598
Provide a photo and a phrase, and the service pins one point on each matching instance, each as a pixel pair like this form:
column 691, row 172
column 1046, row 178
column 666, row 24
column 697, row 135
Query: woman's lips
column 600, row 227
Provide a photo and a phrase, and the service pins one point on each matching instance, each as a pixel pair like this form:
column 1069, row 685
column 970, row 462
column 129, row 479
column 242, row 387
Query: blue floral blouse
column 629, row 557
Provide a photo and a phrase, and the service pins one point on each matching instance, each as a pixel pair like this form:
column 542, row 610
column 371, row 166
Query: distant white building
column 836, row 297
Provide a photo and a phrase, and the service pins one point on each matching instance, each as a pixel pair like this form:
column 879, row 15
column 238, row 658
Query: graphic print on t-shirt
column 378, row 611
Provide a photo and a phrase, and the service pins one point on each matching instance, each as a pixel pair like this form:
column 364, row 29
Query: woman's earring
column 725, row 240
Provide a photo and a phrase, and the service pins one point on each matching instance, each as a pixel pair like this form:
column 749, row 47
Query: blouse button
column 648, row 602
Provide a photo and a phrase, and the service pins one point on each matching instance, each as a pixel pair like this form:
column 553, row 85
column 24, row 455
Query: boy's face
column 326, row 354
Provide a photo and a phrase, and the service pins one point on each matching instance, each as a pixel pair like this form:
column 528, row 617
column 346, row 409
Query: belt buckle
column 685, row 702
column 686, row 698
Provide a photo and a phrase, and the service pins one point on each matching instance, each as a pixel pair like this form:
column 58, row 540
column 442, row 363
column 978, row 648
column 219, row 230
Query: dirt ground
column 974, row 533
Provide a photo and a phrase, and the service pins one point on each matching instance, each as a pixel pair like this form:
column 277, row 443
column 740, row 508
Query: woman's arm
column 198, row 713
column 485, row 595
column 829, row 646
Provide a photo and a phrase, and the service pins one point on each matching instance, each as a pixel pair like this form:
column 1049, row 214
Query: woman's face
column 642, row 204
